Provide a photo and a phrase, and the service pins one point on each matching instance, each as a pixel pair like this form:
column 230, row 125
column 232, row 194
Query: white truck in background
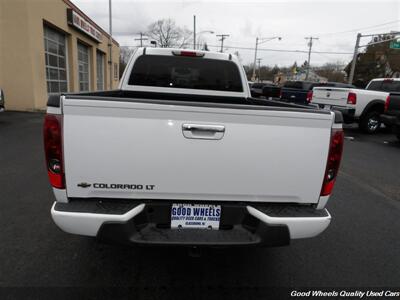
column 356, row 105
column 181, row 154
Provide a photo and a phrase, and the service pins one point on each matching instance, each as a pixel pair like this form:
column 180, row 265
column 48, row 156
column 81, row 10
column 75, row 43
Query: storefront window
column 100, row 71
column 83, row 67
column 56, row 66
column 115, row 71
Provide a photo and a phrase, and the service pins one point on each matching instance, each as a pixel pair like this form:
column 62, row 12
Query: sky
column 335, row 23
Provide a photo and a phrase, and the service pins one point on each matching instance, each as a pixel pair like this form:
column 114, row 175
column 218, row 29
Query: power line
column 358, row 29
column 223, row 37
column 271, row 50
column 141, row 39
column 282, row 50
column 258, row 42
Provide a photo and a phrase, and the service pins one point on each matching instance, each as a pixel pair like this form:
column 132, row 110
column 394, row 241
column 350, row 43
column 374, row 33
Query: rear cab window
column 375, row 85
column 385, row 85
column 186, row 72
column 391, row 86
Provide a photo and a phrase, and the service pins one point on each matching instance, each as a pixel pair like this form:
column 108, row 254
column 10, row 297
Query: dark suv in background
column 267, row 90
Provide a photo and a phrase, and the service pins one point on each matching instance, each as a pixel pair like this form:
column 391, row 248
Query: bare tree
column 168, row 34
column 332, row 71
column 125, row 54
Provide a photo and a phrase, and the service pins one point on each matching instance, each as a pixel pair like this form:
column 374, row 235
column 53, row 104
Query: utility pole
column 355, row 55
column 392, row 36
column 194, row 32
column 110, row 62
column 223, row 37
column 141, row 39
column 253, row 77
column 260, row 41
column 310, row 43
column 259, row 68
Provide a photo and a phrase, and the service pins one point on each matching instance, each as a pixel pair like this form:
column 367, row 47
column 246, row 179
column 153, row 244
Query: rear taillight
column 351, row 98
column 280, row 93
column 387, row 102
column 309, row 96
column 333, row 163
column 52, row 134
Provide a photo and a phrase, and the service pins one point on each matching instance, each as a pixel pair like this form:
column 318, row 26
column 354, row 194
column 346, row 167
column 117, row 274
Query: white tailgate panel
column 263, row 155
column 330, row 96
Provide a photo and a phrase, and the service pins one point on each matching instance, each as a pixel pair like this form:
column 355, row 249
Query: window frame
column 102, row 56
column 373, row 82
column 390, row 86
column 79, row 43
column 163, row 51
column 47, row 53
column 116, row 70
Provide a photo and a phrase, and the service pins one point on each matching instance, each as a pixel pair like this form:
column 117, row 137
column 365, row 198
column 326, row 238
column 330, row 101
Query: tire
column 370, row 122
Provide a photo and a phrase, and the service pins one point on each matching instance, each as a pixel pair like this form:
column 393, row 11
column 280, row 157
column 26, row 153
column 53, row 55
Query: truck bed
column 184, row 99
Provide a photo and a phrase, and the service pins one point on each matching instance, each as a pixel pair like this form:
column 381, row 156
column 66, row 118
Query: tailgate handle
column 203, row 131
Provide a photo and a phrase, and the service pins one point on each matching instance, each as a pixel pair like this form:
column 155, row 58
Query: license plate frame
column 195, row 216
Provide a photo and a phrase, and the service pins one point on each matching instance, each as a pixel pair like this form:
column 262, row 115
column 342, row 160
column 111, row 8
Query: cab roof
column 174, row 51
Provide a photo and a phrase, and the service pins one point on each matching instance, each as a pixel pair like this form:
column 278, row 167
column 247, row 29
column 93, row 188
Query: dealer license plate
column 204, row 216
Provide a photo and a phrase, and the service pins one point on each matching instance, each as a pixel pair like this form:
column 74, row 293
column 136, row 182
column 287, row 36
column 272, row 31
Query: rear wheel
column 370, row 122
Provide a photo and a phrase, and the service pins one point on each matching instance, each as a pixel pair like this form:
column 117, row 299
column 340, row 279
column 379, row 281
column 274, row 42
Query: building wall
column 22, row 53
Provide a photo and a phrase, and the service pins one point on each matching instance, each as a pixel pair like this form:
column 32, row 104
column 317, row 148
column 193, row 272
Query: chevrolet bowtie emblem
column 84, row 184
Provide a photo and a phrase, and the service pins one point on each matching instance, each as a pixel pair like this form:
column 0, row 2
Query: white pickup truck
column 181, row 154
column 356, row 105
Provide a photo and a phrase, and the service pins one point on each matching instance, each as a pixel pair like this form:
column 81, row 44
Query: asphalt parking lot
column 361, row 248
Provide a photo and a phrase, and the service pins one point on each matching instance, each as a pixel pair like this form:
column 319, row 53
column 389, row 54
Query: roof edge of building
column 83, row 15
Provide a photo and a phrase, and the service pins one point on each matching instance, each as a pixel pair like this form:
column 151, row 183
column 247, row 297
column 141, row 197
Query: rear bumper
column 347, row 113
column 390, row 120
column 149, row 224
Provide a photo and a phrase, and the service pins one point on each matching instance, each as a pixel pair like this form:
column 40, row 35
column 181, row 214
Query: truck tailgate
column 330, row 96
column 294, row 95
column 142, row 150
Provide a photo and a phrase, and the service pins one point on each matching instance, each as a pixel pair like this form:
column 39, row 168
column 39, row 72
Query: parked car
column 165, row 159
column 357, row 105
column 2, row 101
column 267, row 90
column 300, row 92
column 391, row 117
